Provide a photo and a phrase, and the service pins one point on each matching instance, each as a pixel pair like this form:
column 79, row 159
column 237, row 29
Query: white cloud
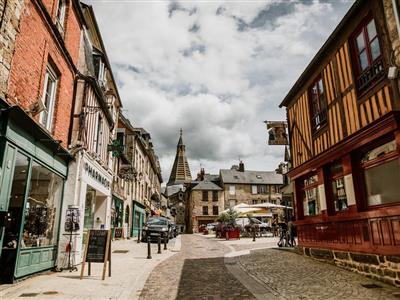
column 217, row 69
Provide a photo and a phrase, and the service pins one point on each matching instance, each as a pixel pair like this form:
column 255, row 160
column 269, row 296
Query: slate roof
column 173, row 189
column 207, row 186
column 251, row 177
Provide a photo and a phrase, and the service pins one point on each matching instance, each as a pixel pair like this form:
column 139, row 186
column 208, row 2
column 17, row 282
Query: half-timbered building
column 343, row 116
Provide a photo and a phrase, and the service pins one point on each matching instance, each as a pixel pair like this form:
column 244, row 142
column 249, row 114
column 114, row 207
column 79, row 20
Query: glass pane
column 375, row 50
column 339, row 194
column 42, row 208
column 15, row 209
column 310, row 180
column 363, row 60
column 88, row 221
column 382, row 183
column 371, row 30
column 379, row 151
column 320, row 86
column 311, row 202
column 360, row 42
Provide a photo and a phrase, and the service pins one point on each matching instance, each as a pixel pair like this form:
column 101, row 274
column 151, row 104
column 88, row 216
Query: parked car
column 156, row 226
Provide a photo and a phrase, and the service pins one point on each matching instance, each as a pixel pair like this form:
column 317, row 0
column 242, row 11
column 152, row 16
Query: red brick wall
column 35, row 46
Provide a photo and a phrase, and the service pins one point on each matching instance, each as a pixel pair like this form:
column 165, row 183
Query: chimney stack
column 241, row 166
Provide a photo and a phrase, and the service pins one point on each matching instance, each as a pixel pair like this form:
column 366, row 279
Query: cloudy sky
column 216, row 69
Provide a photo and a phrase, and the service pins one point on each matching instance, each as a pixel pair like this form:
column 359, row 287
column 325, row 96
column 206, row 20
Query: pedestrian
column 292, row 232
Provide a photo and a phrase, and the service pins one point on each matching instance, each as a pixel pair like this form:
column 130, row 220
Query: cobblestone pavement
column 197, row 272
column 288, row 275
column 203, row 270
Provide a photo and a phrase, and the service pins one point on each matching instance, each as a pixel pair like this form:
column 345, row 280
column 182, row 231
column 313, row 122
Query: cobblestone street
column 203, row 270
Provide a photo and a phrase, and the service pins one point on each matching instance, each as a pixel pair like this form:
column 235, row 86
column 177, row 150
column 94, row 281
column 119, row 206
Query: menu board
column 97, row 244
column 118, row 232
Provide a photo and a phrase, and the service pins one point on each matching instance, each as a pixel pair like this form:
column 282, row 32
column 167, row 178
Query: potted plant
column 229, row 228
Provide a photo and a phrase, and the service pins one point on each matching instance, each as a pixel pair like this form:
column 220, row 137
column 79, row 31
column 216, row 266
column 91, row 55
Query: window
column 215, row 196
column 205, row 195
column 318, row 105
column 99, row 134
column 205, row 210
column 49, row 98
column 232, row 190
column 381, row 167
column 215, row 210
column 100, row 69
column 254, row 189
column 368, row 54
column 338, row 189
column 42, row 208
column 263, row 189
column 61, row 9
column 273, row 190
column 311, row 203
column 254, row 201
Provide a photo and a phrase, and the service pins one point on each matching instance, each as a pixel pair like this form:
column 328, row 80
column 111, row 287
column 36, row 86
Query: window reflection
column 43, row 203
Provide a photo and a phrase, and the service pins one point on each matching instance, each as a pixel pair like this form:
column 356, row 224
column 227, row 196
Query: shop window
column 369, row 63
column 381, row 167
column 318, row 105
column 215, row 210
column 215, row 196
column 205, row 210
column 338, row 189
column 205, row 196
column 310, row 196
column 49, row 98
column 90, row 202
column 42, row 208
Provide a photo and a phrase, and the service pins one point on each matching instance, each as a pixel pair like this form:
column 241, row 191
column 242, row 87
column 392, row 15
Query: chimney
column 202, row 174
column 241, row 166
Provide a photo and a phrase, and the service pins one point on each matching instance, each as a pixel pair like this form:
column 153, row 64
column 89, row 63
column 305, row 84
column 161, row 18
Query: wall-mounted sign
column 116, row 147
column 277, row 131
column 96, row 175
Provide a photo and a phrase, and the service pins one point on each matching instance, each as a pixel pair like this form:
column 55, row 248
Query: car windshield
column 156, row 221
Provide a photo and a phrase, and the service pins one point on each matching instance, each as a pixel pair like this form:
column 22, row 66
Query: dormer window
column 100, row 70
column 60, row 17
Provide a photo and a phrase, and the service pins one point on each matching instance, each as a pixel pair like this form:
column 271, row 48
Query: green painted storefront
column 138, row 218
column 33, row 169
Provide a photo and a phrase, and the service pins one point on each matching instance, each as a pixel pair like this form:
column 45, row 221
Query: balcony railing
column 371, row 75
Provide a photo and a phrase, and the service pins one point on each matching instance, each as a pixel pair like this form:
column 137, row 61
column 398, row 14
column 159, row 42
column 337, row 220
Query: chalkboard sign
column 97, row 245
column 98, row 250
column 118, row 232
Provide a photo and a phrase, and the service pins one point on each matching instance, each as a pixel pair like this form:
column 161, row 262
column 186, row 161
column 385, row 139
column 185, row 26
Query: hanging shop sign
column 98, row 250
column 116, row 148
column 96, row 175
column 127, row 172
column 277, row 133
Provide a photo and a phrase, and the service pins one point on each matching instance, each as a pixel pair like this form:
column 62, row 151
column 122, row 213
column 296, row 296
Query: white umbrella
column 269, row 205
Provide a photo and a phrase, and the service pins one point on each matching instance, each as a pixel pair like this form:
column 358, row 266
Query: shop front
column 117, row 217
column 138, row 218
column 89, row 188
column 33, row 169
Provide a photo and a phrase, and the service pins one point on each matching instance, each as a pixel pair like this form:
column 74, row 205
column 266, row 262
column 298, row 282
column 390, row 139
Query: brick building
column 34, row 130
column 344, row 126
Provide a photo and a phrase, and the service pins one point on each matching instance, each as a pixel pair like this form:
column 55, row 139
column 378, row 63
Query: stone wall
column 196, row 198
column 10, row 12
column 243, row 194
column 380, row 267
column 392, row 29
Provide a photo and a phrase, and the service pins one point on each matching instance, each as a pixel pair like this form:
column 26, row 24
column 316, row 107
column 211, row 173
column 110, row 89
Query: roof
column 173, row 189
column 207, row 186
column 180, row 172
column 320, row 55
column 251, row 177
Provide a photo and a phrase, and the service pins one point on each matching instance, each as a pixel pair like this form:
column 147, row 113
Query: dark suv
column 156, row 226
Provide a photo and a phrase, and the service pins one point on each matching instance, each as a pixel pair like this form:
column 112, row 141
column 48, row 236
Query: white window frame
column 49, row 109
column 232, row 190
column 254, row 189
column 99, row 135
column 61, row 12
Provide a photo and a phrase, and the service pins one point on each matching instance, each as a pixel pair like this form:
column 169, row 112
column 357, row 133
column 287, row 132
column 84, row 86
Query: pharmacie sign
column 96, row 175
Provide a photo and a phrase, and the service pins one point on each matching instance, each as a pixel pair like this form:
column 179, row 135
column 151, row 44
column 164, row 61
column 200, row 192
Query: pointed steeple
column 180, row 172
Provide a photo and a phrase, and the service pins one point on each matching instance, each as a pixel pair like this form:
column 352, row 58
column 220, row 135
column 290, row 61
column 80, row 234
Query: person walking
column 292, row 232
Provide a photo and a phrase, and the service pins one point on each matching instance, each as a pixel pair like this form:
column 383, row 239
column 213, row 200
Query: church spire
column 180, row 172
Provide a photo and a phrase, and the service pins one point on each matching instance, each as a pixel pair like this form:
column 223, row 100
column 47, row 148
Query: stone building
column 250, row 187
column 344, row 132
column 205, row 201
column 10, row 13
column 35, row 123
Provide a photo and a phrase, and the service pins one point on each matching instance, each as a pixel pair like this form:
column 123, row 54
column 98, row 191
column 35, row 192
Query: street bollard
column 254, row 234
column 165, row 242
column 159, row 244
column 138, row 236
column 148, row 248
